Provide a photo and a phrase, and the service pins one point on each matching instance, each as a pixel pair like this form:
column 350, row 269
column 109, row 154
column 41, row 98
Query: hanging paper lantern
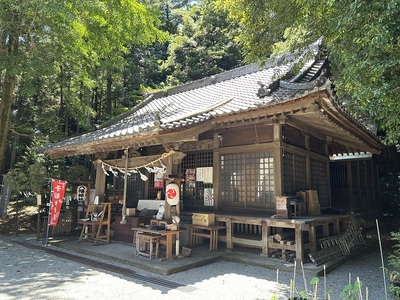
column 172, row 193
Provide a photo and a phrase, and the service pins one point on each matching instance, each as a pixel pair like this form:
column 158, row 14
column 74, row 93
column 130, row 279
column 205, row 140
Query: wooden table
column 262, row 227
column 198, row 232
column 169, row 234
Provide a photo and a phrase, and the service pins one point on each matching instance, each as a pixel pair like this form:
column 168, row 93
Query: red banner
column 57, row 196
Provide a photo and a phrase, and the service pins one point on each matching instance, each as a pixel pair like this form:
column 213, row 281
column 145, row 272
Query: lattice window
column 319, row 180
column 192, row 190
column 247, row 179
column 338, row 176
column 135, row 187
column 288, row 174
column 294, row 173
column 300, row 172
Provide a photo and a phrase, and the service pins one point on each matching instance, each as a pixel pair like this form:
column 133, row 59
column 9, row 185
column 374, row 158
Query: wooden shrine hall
column 272, row 153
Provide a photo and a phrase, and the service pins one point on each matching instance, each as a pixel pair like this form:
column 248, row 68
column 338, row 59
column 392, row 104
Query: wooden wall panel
column 293, row 136
column 317, row 145
column 246, row 135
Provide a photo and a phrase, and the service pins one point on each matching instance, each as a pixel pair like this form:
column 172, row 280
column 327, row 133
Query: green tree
column 203, row 46
column 70, row 39
column 361, row 38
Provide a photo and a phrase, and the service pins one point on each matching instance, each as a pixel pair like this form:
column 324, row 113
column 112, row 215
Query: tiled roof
column 223, row 94
column 243, row 89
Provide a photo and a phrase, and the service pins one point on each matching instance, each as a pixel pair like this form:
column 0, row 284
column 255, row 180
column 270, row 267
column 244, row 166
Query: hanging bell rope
column 123, row 220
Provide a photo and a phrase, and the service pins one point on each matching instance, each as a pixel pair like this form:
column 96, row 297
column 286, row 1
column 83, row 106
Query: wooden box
column 283, row 207
column 123, row 232
column 205, row 219
column 311, row 202
column 314, row 209
column 312, row 196
column 130, row 212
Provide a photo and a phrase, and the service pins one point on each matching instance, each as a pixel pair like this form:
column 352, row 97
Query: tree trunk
column 61, row 112
column 109, row 100
column 8, row 87
column 5, row 112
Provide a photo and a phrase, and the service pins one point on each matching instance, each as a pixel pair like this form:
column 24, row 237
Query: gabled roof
column 250, row 92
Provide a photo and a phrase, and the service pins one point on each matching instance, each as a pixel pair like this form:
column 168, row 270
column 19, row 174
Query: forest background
column 68, row 66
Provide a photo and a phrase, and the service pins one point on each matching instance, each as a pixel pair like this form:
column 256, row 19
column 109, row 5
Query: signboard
column 204, row 174
column 208, row 197
column 158, row 184
column 190, row 177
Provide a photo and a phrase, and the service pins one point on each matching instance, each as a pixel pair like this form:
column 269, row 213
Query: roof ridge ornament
column 157, row 120
column 264, row 90
column 317, row 83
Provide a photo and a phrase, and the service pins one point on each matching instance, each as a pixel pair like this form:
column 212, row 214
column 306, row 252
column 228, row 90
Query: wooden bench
column 198, row 232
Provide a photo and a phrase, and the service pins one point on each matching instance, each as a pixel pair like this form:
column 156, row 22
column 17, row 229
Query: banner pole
column 48, row 219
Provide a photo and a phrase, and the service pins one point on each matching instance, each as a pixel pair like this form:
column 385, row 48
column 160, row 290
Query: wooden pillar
column 336, row 226
column 359, row 188
column 377, row 198
column 217, row 143
column 308, row 161
column 369, row 184
column 172, row 169
column 299, row 242
column 228, row 226
column 350, row 186
column 278, row 162
column 328, row 171
column 325, row 229
column 172, row 162
column 100, row 183
column 313, row 238
column 265, row 232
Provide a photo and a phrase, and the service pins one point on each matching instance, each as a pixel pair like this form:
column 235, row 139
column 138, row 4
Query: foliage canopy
column 75, row 41
column 361, row 38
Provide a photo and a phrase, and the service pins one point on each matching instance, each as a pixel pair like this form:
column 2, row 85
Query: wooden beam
column 189, row 134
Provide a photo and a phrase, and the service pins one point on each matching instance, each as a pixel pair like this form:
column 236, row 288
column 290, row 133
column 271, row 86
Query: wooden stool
column 145, row 244
column 298, row 207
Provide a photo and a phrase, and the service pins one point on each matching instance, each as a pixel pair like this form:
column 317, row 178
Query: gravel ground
column 34, row 274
